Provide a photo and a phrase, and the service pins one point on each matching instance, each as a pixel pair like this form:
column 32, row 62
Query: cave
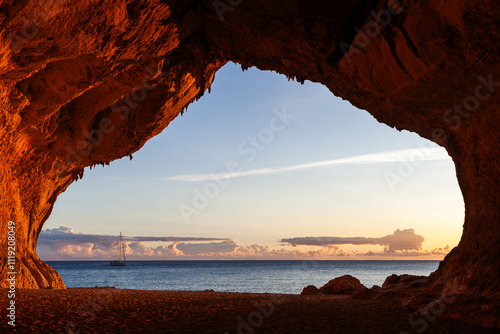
column 84, row 84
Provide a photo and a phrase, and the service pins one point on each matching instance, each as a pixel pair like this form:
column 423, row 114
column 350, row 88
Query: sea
column 288, row 277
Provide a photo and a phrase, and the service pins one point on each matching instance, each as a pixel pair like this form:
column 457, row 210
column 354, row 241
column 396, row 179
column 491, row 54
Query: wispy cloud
column 415, row 154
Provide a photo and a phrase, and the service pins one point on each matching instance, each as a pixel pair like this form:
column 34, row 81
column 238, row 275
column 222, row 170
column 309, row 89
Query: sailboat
column 120, row 263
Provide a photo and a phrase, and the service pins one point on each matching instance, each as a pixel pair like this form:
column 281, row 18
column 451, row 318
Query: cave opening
column 302, row 163
column 76, row 71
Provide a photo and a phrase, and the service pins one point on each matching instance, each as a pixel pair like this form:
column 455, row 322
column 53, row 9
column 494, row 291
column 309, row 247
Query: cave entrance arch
column 218, row 129
column 432, row 68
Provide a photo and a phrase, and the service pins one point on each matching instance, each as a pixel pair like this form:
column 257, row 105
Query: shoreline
column 111, row 310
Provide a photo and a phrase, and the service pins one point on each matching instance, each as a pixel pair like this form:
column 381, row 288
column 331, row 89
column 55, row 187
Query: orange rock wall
column 87, row 82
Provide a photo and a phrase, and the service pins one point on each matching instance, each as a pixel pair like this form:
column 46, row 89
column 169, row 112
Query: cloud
column 64, row 244
column 207, row 248
column 400, row 240
column 415, row 154
column 67, row 234
column 231, row 250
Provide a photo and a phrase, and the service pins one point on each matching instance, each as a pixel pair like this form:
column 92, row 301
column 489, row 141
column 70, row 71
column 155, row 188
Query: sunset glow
column 288, row 161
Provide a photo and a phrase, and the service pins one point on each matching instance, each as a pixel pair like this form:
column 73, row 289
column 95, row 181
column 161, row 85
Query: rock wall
column 87, row 82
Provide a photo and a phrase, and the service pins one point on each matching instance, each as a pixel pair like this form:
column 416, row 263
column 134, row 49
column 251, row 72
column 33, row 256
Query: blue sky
column 242, row 122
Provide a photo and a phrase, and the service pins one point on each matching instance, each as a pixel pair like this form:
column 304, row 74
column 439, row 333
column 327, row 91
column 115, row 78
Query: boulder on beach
column 311, row 290
column 391, row 280
column 343, row 285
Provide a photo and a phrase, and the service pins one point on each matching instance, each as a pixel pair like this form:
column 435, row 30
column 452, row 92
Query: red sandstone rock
column 63, row 68
column 311, row 290
column 365, row 293
column 391, row 280
column 344, row 285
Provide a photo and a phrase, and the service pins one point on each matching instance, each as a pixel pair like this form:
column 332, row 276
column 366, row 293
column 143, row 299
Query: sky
column 265, row 168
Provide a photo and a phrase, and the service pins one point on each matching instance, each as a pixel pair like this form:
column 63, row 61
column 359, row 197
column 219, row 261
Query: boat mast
column 123, row 249
column 120, row 247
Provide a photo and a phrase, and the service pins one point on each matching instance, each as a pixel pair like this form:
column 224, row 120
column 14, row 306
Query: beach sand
column 110, row 310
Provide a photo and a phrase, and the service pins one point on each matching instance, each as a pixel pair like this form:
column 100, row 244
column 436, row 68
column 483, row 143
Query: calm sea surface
column 232, row 276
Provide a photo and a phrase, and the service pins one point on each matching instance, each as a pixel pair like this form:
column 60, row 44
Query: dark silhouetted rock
column 366, row 293
column 418, row 301
column 389, row 295
column 343, row 285
column 391, row 280
column 311, row 290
